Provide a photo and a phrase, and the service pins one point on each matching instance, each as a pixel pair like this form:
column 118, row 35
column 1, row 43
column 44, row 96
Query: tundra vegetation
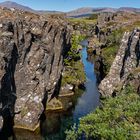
column 116, row 119
column 74, row 71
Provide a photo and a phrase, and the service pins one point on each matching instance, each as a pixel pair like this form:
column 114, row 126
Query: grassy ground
column 83, row 20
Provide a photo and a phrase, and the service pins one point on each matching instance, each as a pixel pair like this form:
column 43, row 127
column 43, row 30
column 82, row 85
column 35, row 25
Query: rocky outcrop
column 31, row 53
column 86, row 29
column 133, row 80
column 103, row 18
column 126, row 60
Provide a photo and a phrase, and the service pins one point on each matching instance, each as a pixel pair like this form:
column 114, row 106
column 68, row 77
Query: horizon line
column 73, row 9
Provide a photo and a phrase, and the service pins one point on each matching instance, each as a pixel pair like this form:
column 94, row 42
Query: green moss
column 117, row 119
column 109, row 54
column 111, row 49
column 74, row 54
column 74, row 69
column 74, row 74
column 115, row 37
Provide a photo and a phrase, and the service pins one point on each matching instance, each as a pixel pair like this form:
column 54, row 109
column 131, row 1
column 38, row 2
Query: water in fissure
column 86, row 103
column 90, row 98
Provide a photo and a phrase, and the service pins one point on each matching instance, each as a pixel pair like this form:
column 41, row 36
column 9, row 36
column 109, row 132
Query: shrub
column 117, row 119
column 74, row 69
column 73, row 53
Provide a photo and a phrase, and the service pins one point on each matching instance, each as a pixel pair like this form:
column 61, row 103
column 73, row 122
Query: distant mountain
column 49, row 12
column 81, row 12
column 129, row 9
column 10, row 4
column 86, row 11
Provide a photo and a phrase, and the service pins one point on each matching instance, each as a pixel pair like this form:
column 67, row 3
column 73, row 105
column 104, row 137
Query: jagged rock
column 133, row 79
column 95, row 45
column 67, row 88
column 126, row 60
column 99, row 68
column 105, row 17
column 31, row 53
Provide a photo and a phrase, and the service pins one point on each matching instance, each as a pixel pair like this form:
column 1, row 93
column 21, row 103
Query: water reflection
column 90, row 98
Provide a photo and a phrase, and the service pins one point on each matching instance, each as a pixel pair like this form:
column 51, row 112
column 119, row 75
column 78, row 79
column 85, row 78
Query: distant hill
column 86, row 11
column 49, row 12
column 81, row 12
column 10, row 4
column 129, row 9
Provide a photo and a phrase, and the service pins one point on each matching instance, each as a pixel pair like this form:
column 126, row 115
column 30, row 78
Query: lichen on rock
column 125, row 61
column 31, row 52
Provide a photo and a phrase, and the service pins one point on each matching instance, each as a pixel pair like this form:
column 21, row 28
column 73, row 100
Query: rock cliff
column 31, row 53
column 126, row 61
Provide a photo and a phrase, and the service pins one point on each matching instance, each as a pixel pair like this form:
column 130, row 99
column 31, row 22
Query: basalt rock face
column 31, row 53
column 126, row 61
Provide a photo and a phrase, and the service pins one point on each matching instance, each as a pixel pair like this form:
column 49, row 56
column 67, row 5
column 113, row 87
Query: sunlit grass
column 83, row 20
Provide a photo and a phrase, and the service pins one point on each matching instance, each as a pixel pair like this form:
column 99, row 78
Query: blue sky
column 67, row 5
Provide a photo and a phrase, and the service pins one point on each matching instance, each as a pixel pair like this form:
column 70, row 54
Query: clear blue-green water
column 90, row 98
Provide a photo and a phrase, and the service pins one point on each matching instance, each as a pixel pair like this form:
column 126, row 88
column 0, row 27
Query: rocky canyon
column 50, row 62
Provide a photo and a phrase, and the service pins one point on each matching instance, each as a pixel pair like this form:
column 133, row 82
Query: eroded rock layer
column 31, row 53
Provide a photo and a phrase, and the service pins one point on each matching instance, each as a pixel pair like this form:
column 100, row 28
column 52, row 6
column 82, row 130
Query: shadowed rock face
column 126, row 60
column 31, row 53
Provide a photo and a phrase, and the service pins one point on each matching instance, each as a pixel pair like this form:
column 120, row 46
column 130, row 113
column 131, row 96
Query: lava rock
column 127, row 59
column 31, row 53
